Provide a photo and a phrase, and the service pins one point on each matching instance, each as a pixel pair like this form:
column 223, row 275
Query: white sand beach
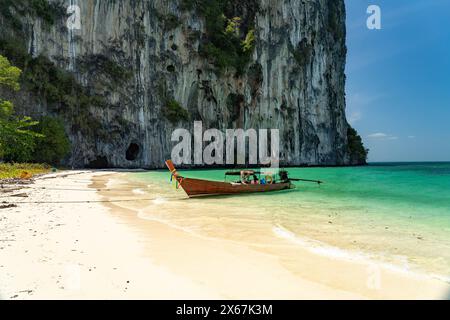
column 66, row 241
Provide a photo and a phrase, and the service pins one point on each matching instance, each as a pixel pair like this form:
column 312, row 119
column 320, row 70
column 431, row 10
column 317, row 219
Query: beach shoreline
column 86, row 247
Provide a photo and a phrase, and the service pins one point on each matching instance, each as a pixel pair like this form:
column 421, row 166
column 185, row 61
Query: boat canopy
column 238, row 173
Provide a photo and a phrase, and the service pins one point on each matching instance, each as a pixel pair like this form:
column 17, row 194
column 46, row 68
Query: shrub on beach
column 22, row 170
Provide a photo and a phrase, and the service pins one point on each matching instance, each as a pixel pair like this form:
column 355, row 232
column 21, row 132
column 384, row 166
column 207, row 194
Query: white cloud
column 411, row 137
column 382, row 136
column 378, row 135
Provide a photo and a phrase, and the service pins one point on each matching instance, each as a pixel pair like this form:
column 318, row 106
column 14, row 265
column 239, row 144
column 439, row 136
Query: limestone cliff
column 138, row 69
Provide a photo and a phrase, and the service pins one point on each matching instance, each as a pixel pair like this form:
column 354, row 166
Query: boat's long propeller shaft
column 306, row 180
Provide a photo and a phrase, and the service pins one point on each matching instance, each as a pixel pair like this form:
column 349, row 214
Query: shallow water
column 395, row 213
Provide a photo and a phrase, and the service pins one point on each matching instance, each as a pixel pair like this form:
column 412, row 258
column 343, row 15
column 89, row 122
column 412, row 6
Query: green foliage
column 9, row 75
column 13, row 10
column 18, row 170
column 101, row 64
column 57, row 86
column 47, row 83
column 53, row 144
column 6, row 109
column 233, row 26
column 48, row 12
column 336, row 26
column 248, row 43
column 169, row 21
column 356, row 147
column 221, row 58
column 174, row 112
column 229, row 42
column 114, row 70
column 17, row 141
column 9, row 78
column 15, row 50
column 302, row 53
column 21, row 138
column 7, row 12
column 187, row 4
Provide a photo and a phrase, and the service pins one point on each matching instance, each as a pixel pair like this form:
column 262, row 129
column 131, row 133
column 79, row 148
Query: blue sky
column 398, row 79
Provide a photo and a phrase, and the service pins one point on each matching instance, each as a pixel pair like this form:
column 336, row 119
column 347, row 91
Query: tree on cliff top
column 358, row 153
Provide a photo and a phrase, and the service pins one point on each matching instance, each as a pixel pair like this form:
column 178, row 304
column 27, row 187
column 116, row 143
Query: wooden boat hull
column 201, row 188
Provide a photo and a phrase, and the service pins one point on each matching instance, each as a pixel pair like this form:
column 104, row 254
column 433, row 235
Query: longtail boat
column 248, row 183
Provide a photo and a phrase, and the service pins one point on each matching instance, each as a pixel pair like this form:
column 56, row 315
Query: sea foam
column 138, row 191
column 323, row 249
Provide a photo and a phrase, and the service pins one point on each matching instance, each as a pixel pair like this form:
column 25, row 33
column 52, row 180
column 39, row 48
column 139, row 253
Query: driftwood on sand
column 7, row 206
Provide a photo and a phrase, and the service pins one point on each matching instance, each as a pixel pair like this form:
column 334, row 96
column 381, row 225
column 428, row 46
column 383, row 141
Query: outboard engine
column 284, row 176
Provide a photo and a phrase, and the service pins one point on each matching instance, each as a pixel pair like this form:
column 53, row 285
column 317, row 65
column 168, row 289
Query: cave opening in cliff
column 100, row 162
column 133, row 152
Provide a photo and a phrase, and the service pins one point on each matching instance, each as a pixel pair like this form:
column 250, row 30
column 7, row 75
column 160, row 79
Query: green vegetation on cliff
column 335, row 28
column 169, row 21
column 302, row 52
column 60, row 91
column 358, row 153
column 230, row 40
column 47, row 11
column 42, row 77
column 52, row 140
column 171, row 109
column 174, row 112
column 100, row 64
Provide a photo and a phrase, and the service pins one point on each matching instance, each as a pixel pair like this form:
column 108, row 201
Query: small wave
column 112, row 182
column 318, row 247
column 159, row 200
column 138, row 191
column 143, row 215
column 326, row 250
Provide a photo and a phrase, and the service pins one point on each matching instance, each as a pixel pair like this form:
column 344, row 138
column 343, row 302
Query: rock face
column 141, row 57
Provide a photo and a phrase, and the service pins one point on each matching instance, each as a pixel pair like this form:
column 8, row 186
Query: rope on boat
column 178, row 180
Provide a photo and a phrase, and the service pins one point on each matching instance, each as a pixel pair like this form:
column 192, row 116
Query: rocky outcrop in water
column 138, row 69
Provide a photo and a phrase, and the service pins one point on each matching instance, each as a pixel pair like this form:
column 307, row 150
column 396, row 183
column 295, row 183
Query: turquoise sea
column 397, row 213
